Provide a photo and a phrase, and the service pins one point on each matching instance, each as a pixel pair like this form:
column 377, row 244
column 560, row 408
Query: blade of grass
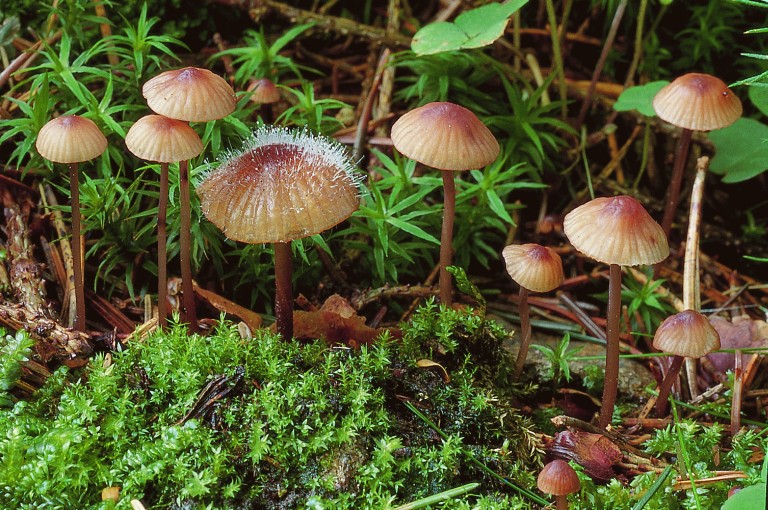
column 440, row 496
column 653, row 489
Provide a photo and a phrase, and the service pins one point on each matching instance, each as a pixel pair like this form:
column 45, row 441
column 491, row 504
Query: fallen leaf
column 594, row 452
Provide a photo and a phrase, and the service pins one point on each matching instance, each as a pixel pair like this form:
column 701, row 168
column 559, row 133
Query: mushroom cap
column 534, row 267
column 445, row 136
column 70, row 139
column 190, row 94
column 282, row 186
column 699, row 102
column 688, row 334
column 158, row 138
column 558, row 478
column 616, row 230
column 264, row 91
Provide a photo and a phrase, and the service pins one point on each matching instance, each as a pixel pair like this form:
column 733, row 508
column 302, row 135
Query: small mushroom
column 558, row 479
column 265, row 93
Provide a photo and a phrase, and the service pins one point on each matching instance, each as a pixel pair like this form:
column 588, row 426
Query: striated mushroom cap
column 688, row 334
column 558, row 478
column 535, row 267
column 70, row 139
column 190, row 94
column 445, row 136
column 699, row 102
column 264, row 91
column 282, row 186
column 158, row 138
column 616, row 230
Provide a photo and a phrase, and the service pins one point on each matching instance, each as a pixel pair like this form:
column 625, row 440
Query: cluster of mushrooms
column 311, row 180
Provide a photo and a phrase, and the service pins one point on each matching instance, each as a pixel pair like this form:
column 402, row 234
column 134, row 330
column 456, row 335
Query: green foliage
column 643, row 301
column 308, row 111
column 640, row 98
column 559, row 358
column 14, row 351
column 740, row 157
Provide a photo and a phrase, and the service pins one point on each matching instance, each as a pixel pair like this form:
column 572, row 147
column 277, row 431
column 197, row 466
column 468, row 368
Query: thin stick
column 77, row 249
column 162, row 255
column 284, row 290
column 185, row 248
column 446, row 237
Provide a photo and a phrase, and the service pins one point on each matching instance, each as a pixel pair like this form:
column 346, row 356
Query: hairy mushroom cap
column 535, row 267
column 158, row 138
column 558, row 478
column 264, row 91
column 688, row 334
column 190, row 94
column 282, row 186
column 445, row 136
column 70, row 139
column 699, row 102
column 616, row 230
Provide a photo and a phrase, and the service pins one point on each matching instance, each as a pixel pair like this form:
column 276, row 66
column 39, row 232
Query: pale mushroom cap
column 264, row 91
column 699, row 102
column 558, row 478
column 535, row 267
column 190, row 94
column 688, row 334
column 158, row 138
column 282, row 186
column 445, row 136
column 70, row 139
column 616, row 230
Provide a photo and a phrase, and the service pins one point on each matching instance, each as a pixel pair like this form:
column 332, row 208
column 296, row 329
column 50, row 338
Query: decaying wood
column 68, row 304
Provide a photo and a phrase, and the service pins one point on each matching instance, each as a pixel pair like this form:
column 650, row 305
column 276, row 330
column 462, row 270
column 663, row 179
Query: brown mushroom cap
column 616, row 230
column 284, row 185
column 264, row 91
column 688, row 334
column 158, row 138
column 535, row 267
column 699, row 102
column 70, row 139
column 190, row 94
column 558, row 478
column 445, row 136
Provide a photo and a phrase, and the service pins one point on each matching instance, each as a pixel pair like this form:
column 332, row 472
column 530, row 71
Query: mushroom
column 190, row 94
column 558, row 479
column 265, row 93
column 617, row 231
column 448, row 137
column 283, row 185
column 72, row 139
column 687, row 334
column 535, row 268
column 164, row 140
column 693, row 102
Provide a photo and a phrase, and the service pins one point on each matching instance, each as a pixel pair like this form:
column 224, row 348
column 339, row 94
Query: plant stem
column 525, row 331
column 446, row 236
column 162, row 256
column 283, row 290
column 666, row 385
column 77, row 249
column 185, row 248
column 673, row 192
column 611, row 385
column 557, row 58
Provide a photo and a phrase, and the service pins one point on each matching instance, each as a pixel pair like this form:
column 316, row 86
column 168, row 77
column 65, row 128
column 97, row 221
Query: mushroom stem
column 611, row 385
column 666, row 385
column 561, row 502
column 673, row 192
column 283, row 290
column 525, row 331
column 446, row 236
column 185, row 248
column 265, row 112
column 77, row 249
column 162, row 256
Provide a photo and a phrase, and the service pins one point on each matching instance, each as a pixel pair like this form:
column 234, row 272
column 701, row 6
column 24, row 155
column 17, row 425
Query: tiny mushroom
column 558, row 479
column 617, row 231
column 264, row 92
column 450, row 138
column 282, row 186
column 158, row 138
column 693, row 102
column 72, row 139
column 535, row 268
column 687, row 334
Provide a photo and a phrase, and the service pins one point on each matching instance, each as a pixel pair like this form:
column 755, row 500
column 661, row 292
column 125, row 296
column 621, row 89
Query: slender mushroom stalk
column 72, row 139
column 450, row 138
column 185, row 246
column 162, row 249
column 283, row 290
column 558, row 479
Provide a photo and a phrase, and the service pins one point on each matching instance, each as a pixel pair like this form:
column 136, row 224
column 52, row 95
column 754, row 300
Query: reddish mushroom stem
column 525, row 331
column 185, row 248
column 561, row 502
column 77, row 250
column 284, row 290
column 162, row 224
column 611, row 385
column 666, row 385
column 673, row 192
column 446, row 236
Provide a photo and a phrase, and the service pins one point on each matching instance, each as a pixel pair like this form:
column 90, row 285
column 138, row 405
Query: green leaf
column 466, row 286
column 752, row 497
column 640, row 98
column 759, row 97
column 742, row 151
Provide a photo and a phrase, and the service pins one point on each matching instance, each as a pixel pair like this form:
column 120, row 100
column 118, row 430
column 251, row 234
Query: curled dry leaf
column 594, row 452
column 739, row 333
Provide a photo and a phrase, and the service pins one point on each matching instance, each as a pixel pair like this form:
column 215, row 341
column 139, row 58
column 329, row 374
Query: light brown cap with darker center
column 264, row 91
column 699, row 102
column 535, row 267
column 445, row 136
column 70, row 139
column 688, row 334
column 558, row 478
column 190, row 94
column 158, row 138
